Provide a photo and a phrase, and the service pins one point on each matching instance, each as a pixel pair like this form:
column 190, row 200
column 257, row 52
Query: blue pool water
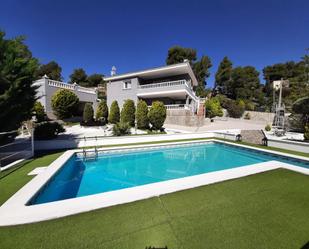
column 115, row 171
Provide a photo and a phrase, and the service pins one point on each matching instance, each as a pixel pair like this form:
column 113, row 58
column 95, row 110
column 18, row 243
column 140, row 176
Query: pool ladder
column 90, row 154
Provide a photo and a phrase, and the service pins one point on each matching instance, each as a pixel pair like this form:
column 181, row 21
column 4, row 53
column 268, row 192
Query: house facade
column 47, row 87
column 173, row 85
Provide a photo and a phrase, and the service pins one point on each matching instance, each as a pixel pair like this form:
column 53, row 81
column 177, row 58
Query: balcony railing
column 177, row 107
column 73, row 87
column 166, row 84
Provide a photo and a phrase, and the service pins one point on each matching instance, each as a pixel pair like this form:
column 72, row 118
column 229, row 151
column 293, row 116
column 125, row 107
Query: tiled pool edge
column 14, row 211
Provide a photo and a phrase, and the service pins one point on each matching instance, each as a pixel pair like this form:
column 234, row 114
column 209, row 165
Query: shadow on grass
column 37, row 155
column 306, row 246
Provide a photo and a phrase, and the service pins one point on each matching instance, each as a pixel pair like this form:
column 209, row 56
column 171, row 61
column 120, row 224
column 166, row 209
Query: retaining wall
column 289, row 145
column 184, row 118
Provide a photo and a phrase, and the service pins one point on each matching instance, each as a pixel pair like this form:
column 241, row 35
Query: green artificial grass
column 13, row 179
column 267, row 210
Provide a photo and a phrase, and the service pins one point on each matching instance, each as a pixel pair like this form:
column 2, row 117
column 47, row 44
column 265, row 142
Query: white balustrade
column 164, row 84
column 177, row 107
column 73, row 87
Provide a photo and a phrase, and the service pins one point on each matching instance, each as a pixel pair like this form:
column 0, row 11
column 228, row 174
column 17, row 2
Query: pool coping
column 15, row 211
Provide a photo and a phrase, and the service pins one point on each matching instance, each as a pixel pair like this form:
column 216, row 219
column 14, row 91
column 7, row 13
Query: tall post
column 280, row 93
column 32, row 141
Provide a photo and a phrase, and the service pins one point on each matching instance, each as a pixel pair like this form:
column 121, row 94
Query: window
column 127, row 84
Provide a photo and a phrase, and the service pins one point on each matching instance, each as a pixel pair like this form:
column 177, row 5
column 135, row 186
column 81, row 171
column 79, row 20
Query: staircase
column 252, row 136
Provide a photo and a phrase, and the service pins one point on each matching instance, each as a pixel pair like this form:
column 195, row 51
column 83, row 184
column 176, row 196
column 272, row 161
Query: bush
column 114, row 114
column 250, row 106
column 267, row 127
column 39, row 112
column 306, row 133
column 241, row 104
column 102, row 112
column 142, row 119
column 121, row 129
column 235, row 110
column 157, row 115
column 64, row 103
column 213, row 108
column 128, row 113
column 88, row 113
column 47, row 130
column 247, row 116
column 224, row 101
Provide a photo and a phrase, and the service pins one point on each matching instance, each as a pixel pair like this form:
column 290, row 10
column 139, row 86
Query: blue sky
column 133, row 35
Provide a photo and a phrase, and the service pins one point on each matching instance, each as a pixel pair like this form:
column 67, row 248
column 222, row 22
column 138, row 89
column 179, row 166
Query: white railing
column 60, row 84
column 176, row 107
column 165, row 84
column 73, row 87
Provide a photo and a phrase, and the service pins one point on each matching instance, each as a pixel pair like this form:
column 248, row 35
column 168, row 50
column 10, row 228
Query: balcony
column 176, row 107
column 177, row 89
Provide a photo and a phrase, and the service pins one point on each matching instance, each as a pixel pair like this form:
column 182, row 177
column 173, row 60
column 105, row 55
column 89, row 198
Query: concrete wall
column 115, row 91
column 261, row 116
column 183, row 117
column 289, row 145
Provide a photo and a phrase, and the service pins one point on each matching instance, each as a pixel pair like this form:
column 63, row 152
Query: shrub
column 157, row 115
column 142, row 119
column 224, row 101
column 250, row 106
column 47, row 130
column 267, row 127
column 120, row 129
column 88, row 113
column 247, row 116
column 128, row 113
column 64, row 103
column 40, row 114
column 241, row 103
column 213, row 108
column 306, row 133
column 235, row 110
column 114, row 114
column 102, row 112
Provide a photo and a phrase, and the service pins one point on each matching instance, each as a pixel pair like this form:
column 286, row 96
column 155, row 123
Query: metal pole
column 32, row 141
column 280, row 93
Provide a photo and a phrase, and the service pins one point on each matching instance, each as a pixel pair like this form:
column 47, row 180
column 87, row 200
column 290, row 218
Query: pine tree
column 17, row 73
column 223, row 76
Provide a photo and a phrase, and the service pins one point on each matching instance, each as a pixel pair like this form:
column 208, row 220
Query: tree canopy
column 17, row 72
column 224, row 76
column 94, row 80
column 79, row 76
column 245, row 80
column 51, row 69
column 295, row 72
column 200, row 67
column 178, row 54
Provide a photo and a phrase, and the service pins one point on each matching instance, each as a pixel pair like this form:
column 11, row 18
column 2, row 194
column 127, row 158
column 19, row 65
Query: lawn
column 267, row 210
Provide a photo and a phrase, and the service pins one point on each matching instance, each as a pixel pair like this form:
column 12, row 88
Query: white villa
column 172, row 84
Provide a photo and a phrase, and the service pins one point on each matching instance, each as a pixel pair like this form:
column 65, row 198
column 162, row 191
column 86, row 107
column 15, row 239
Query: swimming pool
column 115, row 170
